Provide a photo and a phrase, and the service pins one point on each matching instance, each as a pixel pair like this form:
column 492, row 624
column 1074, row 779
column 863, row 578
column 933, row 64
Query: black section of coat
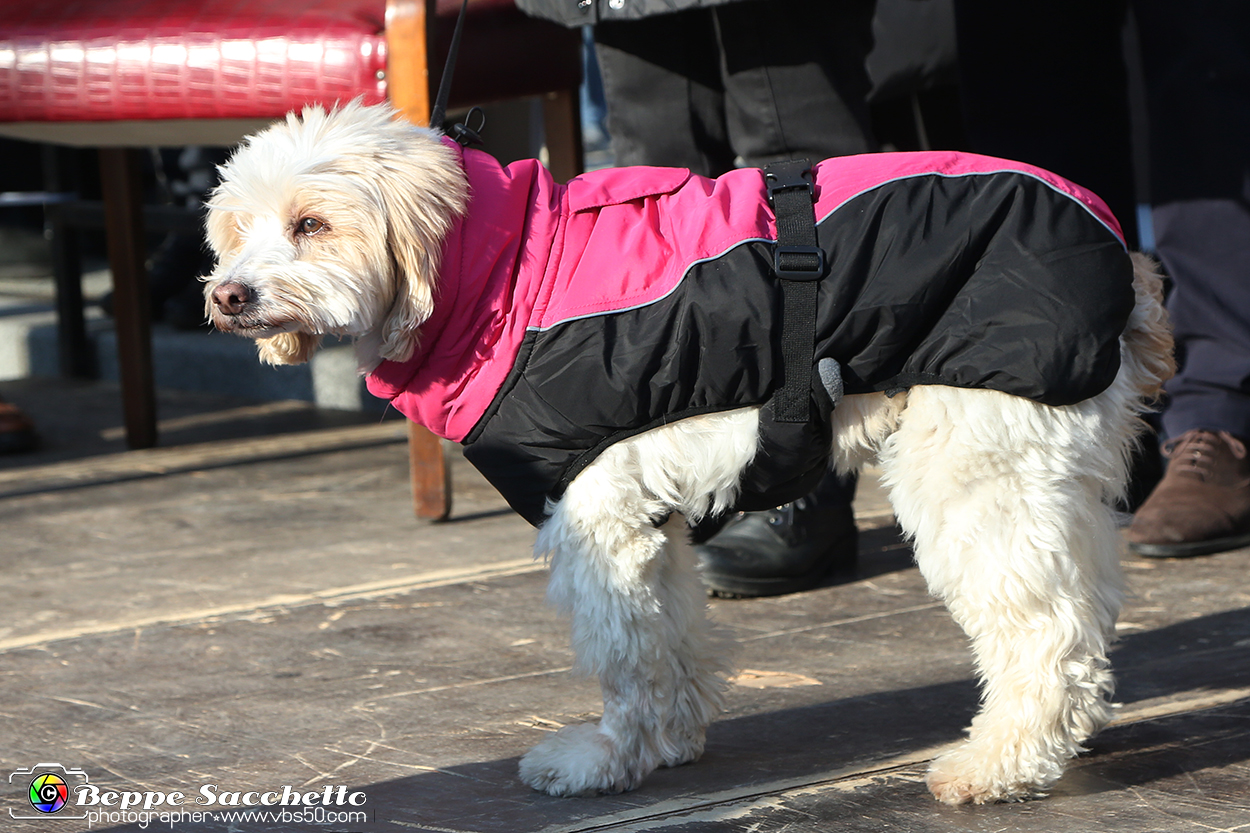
column 984, row 281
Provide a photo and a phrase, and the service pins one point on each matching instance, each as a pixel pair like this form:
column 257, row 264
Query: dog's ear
column 414, row 269
column 288, row 348
column 221, row 231
column 424, row 192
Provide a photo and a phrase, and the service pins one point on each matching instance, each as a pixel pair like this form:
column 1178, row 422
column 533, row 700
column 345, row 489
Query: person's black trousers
column 743, row 83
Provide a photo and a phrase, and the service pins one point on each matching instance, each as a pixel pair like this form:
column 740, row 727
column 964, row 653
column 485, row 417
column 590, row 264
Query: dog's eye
column 310, row 226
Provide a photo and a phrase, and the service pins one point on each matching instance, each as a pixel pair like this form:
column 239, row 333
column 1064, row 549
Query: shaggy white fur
column 332, row 223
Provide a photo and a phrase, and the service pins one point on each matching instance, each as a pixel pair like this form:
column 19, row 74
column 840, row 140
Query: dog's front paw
column 578, row 760
column 961, row 776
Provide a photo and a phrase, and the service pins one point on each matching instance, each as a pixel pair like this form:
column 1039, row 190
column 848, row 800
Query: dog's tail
column 1147, row 346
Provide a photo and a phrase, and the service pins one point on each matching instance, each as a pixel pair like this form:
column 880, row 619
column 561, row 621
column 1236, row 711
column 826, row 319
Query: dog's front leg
column 638, row 621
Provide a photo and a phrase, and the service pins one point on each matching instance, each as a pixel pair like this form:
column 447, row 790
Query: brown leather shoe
column 1202, row 505
column 17, row 432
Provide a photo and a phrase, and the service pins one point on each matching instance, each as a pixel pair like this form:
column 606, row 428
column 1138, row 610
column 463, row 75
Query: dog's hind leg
column 1004, row 500
column 638, row 622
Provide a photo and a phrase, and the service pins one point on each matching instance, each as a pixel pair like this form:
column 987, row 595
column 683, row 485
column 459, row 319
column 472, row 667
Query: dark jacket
column 582, row 12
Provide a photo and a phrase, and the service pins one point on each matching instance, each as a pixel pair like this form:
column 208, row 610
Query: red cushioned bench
column 120, row 75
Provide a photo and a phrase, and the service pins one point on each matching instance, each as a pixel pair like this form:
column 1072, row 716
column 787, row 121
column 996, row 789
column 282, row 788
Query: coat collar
column 492, row 264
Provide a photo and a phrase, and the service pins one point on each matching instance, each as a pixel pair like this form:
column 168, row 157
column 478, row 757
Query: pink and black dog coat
column 568, row 317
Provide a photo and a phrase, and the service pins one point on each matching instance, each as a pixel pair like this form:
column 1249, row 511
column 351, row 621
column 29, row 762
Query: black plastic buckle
column 782, row 176
column 813, row 273
column 793, row 174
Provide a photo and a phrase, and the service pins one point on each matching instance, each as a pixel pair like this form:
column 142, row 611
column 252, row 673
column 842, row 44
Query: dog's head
column 332, row 223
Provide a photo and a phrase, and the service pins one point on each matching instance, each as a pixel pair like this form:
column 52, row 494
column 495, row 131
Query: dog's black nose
column 231, row 298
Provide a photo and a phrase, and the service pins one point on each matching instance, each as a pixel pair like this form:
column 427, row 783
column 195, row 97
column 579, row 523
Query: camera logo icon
column 48, row 789
column 48, row 792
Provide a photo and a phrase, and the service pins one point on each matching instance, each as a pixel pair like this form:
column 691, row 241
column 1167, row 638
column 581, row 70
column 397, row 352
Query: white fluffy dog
column 334, row 223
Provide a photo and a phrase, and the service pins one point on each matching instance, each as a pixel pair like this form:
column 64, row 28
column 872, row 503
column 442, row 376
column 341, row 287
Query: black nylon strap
column 792, row 401
column 439, row 110
column 799, row 263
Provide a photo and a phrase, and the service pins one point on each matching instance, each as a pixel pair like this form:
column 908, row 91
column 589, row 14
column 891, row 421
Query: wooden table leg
column 73, row 348
column 430, row 474
column 562, row 124
column 120, row 175
column 408, row 28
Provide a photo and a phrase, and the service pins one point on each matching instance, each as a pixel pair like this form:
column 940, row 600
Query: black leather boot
column 783, row 550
